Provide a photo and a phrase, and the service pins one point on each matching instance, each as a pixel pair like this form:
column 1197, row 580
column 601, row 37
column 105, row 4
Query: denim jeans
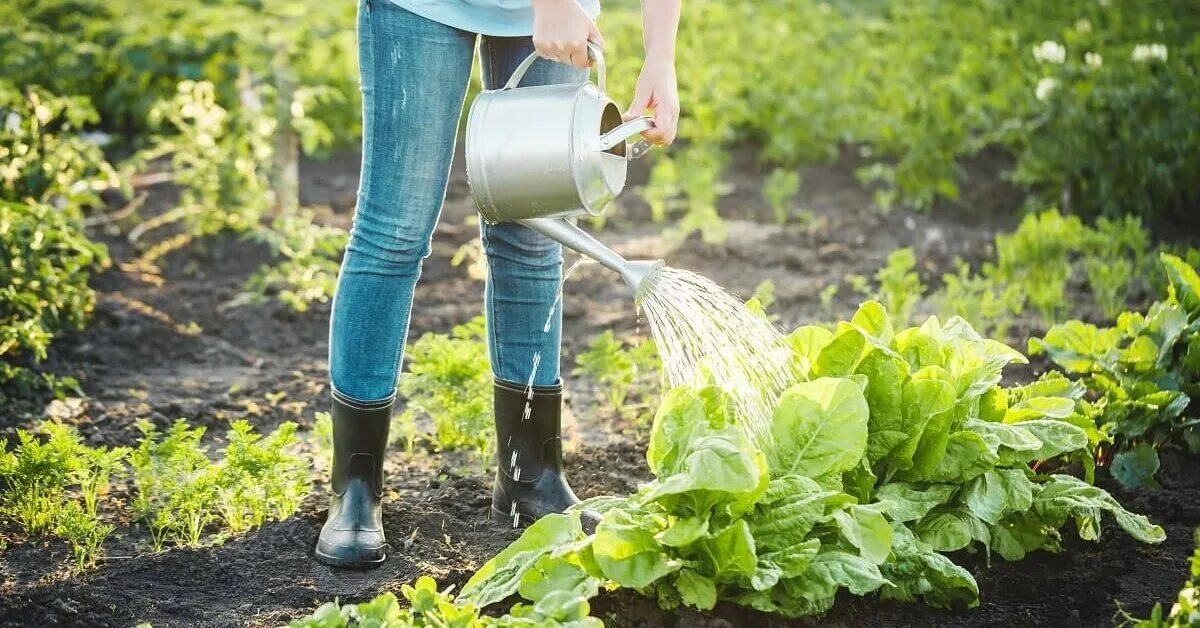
column 414, row 74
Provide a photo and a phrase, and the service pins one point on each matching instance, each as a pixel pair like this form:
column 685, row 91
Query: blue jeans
column 414, row 74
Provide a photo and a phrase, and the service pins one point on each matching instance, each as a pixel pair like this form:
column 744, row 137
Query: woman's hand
column 656, row 90
column 561, row 31
column 656, row 87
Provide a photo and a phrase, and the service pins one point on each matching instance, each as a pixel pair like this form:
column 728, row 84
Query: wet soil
column 166, row 343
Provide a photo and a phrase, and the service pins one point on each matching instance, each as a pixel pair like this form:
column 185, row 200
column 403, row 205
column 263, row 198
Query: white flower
column 1146, row 52
column 1050, row 52
column 1083, row 25
column 1093, row 59
column 12, row 122
column 1045, row 87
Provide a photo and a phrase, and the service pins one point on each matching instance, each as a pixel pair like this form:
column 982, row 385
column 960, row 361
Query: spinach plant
column 893, row 449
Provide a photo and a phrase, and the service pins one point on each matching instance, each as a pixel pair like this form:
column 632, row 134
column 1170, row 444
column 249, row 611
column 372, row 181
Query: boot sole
column 352, row 563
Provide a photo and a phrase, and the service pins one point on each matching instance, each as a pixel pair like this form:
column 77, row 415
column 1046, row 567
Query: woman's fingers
column 577, row 54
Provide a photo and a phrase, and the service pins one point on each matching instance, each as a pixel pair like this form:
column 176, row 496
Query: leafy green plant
column 175, row 492
column 623, row 373
column 259, row 479
column 1114, row 259
column 1144, row 373
column 449, row 380
column 219, row 158
column 180, row 493
column 1037, row 257
column 52, row 486
column 893, row 449
column 48, row 176
column 83, row 531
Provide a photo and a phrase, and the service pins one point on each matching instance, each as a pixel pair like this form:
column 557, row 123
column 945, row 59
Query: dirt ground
column 176, row 350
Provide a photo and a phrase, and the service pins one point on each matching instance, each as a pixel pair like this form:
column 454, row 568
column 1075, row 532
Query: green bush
column 1116, row 124
column 126, row 56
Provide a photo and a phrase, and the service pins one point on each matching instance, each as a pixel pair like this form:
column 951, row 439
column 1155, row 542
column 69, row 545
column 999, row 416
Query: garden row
column 896, row 450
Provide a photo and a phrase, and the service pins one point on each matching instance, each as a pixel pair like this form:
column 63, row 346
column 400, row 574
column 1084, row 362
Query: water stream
column 704, row 334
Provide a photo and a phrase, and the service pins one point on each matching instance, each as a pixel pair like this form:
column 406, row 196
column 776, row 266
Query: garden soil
column 168, row 340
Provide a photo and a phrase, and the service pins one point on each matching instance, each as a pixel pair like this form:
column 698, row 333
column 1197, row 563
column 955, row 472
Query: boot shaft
column 528, row 424
column 360, row 439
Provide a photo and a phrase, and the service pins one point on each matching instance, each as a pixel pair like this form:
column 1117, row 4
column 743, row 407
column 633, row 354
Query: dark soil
column 165, row 344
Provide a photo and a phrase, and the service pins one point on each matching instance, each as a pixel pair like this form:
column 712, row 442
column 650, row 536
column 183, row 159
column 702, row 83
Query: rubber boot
column 529, row 476
column 353, row 533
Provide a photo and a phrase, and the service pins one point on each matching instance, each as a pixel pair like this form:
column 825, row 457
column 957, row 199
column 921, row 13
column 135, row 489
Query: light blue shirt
column 501, row 18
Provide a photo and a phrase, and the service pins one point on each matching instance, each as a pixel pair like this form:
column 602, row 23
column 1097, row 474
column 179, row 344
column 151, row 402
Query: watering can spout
column 635, row 273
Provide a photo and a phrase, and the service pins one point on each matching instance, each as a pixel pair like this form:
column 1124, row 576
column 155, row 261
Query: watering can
column 541, row 155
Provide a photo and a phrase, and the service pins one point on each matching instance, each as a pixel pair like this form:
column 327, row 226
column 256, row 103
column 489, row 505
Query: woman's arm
column 656, row 87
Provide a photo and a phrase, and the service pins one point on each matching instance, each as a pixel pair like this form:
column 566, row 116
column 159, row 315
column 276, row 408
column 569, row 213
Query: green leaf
column 1135, row 468
column 1057, row 437
column 966, row 456
column 729, row 553
column 820, row 428
column 841, row 356
column 683, row 531
column 1000, row 436
column 1185, row 283
column 928, row 401
column 557, row 573
column 997, row 493
column 1040, row 408
column 787, row 512
column 872, row 318
column 784, row 563
column 916, row 571
column 808, row 341
column 830, row 570
column 501, row 576
column 885, row 397
column 696, row 590
column 1066, row 497
column 909, row 502
column 1076, row 346
column 949, row 529
column 865, row 528
column 626, row 551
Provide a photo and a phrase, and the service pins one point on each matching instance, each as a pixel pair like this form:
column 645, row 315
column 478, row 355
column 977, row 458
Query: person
column 415, row 61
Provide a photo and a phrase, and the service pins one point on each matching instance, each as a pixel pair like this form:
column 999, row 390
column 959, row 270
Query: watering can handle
column 593, row 51
column 627, row 130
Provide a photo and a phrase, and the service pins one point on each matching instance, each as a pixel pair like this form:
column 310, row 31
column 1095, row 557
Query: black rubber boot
column 529, row 478
column 353, row 532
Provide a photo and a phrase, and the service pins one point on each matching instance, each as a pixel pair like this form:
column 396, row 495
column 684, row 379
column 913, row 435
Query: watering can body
column 548, row 151
column 539, row 155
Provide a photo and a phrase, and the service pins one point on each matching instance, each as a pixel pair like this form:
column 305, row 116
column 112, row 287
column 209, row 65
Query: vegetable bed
column 265, row 363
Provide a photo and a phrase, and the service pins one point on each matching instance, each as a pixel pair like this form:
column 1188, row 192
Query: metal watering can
column 539, row 155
